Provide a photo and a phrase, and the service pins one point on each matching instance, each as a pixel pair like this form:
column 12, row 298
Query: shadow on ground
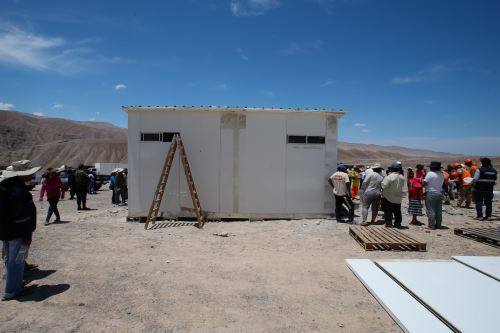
column 39, row 274
column 36, row 293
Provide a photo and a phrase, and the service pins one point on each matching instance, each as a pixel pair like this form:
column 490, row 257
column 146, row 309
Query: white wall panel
column 200, row 133
column 262, row 163
column 464, row 297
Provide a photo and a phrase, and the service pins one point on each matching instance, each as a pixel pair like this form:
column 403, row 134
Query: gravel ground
column 99, row 273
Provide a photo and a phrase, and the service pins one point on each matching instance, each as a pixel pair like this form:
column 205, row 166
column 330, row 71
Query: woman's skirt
column 415, row 207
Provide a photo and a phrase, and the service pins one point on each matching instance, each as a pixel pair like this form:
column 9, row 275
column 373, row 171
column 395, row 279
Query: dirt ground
column 99, row 273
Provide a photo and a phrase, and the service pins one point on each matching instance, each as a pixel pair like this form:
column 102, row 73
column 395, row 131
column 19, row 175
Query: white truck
column 105, row 169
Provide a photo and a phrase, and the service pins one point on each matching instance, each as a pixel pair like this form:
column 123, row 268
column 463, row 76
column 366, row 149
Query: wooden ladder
column 160, row 188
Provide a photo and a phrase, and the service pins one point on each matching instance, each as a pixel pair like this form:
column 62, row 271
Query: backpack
column 81, row 178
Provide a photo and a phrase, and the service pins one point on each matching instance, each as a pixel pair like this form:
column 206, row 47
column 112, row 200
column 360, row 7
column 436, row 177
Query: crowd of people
column 384, row 189
column 18, row 211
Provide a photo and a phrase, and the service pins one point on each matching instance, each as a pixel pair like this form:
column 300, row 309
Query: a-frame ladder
column 160, row 188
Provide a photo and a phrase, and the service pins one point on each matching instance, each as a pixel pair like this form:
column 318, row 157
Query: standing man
column 392, row 192
column 342, row 191
column 82, row 185
column 484, row 182
column 433, row 184
column 17, row 223
column 370, row 194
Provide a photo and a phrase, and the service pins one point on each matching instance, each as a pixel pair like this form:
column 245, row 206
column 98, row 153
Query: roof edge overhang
column 139, row 108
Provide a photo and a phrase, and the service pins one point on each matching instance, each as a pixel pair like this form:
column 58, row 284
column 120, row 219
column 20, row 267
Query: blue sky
column 420, row 73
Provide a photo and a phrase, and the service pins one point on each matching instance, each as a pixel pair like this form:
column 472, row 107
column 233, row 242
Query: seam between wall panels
column 286, row 163
column 220, row 164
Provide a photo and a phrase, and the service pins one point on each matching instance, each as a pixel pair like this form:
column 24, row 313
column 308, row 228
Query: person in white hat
column 17, row 223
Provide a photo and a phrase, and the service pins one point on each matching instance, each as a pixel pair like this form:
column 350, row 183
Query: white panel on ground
column 465, row 298
column 410, row 315
column 488, row 265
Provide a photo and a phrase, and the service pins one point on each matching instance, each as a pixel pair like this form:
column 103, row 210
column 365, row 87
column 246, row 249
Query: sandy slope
column 102, row 274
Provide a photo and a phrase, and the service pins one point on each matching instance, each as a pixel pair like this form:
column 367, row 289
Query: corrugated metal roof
column 128, row 108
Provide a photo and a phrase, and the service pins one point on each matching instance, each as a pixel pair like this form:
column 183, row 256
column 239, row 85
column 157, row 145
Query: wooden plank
column 405, row 310
column 383, row 238
column 486, row 234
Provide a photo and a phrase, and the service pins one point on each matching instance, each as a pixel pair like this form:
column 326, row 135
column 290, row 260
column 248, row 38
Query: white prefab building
column 247, row 163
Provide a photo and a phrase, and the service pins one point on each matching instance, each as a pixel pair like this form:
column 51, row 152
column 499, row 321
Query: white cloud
column 38, row 114
column 365, row 130
column 57, row 106
column 19, row 47
column 6, row 106
column 91, row 119
column 252, row 7
column 360, row 125
column 328, row 82
column 120, row 86
column 303, row 47
column 426, row 74
column 242, row 54
column 97, row 113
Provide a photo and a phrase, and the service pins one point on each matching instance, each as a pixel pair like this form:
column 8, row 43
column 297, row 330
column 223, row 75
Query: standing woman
column 55, row 190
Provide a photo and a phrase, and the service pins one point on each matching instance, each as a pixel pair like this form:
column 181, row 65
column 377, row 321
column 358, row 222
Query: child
column 415, row 194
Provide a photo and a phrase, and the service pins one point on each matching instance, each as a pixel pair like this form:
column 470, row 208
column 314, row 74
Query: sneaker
column 57, row 220
column 46, row 223
column 486, row 218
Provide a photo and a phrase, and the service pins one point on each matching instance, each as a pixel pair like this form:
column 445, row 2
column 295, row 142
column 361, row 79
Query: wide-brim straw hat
column 376, row 166
column 19, row 168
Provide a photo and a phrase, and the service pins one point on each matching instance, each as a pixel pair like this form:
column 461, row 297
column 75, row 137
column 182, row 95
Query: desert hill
column 56, row 141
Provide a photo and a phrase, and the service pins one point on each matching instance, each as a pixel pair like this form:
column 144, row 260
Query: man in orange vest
column 466, row 184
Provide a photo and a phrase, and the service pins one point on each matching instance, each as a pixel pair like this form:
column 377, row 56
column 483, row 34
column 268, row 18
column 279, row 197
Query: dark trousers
column 81, row 198
column 391, row 209
column 481, row 197
column 53, row 208
column 72, row 192
column 343, row 200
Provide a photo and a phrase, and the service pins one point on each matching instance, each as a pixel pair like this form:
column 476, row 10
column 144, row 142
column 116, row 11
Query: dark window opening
column 316, row 140
column 297, row 139
column 304, row 139
column 150, row 136
column 169, row 136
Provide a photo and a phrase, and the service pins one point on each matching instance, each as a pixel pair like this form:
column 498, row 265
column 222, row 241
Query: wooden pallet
column 382, row 238
column 490, row 235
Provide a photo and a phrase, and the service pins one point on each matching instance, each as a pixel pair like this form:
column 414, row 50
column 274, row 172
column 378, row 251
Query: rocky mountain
column 55, row 141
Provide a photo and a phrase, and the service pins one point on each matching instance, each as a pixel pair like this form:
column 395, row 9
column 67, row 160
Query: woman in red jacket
column 55, row 190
